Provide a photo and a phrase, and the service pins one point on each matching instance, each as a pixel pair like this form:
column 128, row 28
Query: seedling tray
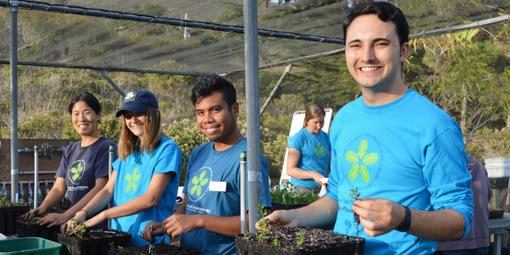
column 94, row 242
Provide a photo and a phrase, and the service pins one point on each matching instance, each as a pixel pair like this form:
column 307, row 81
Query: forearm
column 98, row 202
column 82, row 203
column 299, row 173
column 53, row 197
column 439, row 225
column 136, row 205
column 319, row 213
column 229, row 226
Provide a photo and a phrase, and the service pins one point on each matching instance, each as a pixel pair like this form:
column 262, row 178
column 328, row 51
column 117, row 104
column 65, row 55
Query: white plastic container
column 497, row 167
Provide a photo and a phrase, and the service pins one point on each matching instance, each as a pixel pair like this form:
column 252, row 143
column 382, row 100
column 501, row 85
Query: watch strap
column 406, row 224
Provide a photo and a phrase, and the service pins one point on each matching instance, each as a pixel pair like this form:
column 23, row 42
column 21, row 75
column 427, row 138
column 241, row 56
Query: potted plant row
column 9, row 212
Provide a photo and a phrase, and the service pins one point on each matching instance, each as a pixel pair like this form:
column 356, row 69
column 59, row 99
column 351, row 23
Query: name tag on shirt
column 218, row 186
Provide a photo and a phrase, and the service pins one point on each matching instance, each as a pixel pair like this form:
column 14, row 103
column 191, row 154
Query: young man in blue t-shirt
column 403, row 155
column 209, row 217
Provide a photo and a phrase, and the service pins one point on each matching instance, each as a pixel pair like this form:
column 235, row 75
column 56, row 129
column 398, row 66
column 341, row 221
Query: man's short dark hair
column 212, row 83
column 385, row 12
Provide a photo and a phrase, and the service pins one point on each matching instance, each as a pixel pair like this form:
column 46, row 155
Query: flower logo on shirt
column 366, row 160
column 198, row 183
column 76, row 172
column 320, row 150
column 132, row 179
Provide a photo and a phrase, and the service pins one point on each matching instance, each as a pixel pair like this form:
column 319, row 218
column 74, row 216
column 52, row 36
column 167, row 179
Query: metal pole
column 114, row 85
column 276, row 87
column 36, row 175
column 14, row 100
column 252, row 108
column 110, row 168
column 243, row 191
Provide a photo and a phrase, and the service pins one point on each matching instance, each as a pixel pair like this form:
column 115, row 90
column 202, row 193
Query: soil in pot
column 95, row 242
column 31, row 228
column 8, row 216
column 297, row 240
column 156, row 249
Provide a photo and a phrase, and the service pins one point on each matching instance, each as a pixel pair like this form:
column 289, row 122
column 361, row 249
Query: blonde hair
column 313, row 111
column 152, row 135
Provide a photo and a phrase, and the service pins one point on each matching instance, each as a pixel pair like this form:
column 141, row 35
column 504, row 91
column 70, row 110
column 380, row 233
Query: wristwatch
column 406, row 224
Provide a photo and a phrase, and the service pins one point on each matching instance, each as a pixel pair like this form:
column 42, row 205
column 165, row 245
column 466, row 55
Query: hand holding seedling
column 283, row 218
column 32, row 213
column 181, row 223
column 152, row 229
column 75, row 229
column 384, row 215
column 78, row 218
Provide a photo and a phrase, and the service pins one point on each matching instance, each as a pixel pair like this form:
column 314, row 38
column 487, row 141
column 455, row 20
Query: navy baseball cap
column 138, row 101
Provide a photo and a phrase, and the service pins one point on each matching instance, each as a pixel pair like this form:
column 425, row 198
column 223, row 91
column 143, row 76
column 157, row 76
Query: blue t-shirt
column 408, row 151
column 81, row 166
column 207, row 165
column 133, row 178
column 315, row 151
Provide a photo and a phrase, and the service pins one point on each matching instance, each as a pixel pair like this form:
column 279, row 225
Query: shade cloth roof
column 81, row 40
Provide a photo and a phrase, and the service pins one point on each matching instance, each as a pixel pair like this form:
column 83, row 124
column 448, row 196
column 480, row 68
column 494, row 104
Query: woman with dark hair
column 145, row 178
column 83, row 170
column 308, row 153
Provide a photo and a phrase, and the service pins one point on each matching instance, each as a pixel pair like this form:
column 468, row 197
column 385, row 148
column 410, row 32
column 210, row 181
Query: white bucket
column 497, row 167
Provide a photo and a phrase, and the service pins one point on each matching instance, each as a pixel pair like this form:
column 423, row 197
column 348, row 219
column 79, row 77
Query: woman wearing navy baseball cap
column 145, row 179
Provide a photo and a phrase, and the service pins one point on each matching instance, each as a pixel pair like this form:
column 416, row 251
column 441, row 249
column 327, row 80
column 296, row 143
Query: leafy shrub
column 490, row 142
column 289, row 196
column 187, row 135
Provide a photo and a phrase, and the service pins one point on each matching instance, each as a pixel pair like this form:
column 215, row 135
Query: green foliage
column 354, row 194
column 289, row 196
column 277, row 242
column 263, row 224
column 187, row 135
column 491, row 143
column 300, row 238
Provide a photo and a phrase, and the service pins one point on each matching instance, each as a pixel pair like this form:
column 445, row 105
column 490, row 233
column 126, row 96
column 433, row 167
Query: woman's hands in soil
column 157, row 229
column 283, row 218
column 78, row 218
column 378, row 216
column 36, row 212
column 52, row 219
column 179, row 224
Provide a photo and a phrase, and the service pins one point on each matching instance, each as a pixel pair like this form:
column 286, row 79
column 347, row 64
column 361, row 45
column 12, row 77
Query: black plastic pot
column 8, row 216
column 156, row 249
column 94, row 242
column 25, row 229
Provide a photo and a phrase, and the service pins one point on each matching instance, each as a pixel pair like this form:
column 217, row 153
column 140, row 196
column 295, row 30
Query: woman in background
column 309, row 152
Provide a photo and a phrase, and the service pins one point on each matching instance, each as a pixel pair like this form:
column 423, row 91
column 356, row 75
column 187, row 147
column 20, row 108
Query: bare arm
column 298, row 173
column 56, row 194
column 319, row 213
column 386, row 215
column 150, row 199
column 54, row 219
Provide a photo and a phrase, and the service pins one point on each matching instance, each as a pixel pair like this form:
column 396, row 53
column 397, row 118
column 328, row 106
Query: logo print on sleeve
column 361, row 167
column 320, row 150
column 132, row 179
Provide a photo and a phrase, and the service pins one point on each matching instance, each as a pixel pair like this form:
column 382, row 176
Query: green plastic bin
column 29, row 245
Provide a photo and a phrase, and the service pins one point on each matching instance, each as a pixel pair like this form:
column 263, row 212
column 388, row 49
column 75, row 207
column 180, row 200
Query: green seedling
column 263, row 225
column 300, row 238
column 277, row 242
column 77, row 229
column 355, row 195
column 247, row 233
